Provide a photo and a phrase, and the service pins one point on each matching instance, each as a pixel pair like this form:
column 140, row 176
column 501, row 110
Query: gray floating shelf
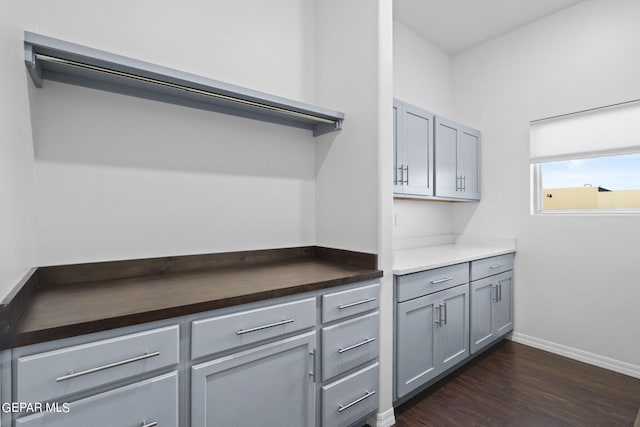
column 47, row 58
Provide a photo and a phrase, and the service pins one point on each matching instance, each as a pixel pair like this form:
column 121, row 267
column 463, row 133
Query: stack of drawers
column 350, row 349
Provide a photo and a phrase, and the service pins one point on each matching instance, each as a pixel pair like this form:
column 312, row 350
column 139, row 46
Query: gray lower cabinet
column 432, row 335
column 301, row 360
column 153, row 402
column 351, row 398
column 349, row 355
column 491, row 309
column 270, row 385
column 442, row 317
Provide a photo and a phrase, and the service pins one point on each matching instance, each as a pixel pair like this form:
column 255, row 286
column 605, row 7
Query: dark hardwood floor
column 516, row 385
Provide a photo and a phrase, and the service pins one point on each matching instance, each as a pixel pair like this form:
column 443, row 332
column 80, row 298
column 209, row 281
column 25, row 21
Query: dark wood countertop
column 63, row 301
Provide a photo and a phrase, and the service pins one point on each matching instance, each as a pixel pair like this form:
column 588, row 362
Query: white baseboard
column 580, row 355
column 382, row 419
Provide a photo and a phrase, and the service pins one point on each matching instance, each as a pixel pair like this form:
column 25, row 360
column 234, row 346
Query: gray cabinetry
column 299, row 360
column 349, row 355
column 432, row 324
column 268, row 385
column 413, row 150
column 351, row 398
column 457, row 165
column 434, row 157
column 153, row 402
column 52, row 374
column 432, row 335
column 445, row 314
column 491, row 309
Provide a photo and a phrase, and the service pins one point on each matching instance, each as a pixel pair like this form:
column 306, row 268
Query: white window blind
column 602, row 131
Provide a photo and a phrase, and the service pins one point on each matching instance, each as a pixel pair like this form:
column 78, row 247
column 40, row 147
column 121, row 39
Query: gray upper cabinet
column 457, row 155
column 434, row 157
column 271, row 385
column 413, row 150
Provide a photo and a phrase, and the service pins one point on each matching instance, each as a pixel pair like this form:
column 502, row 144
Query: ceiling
column 456, row 25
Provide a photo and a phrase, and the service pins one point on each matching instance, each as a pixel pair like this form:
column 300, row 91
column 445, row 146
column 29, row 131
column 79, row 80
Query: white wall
column 16, row 149
column 385, row 414
column 120, row 177
column 422, row 75
column 576, row 277
column 347, row 161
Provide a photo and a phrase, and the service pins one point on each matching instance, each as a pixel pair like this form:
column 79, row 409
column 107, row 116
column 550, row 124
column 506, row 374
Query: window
column 587, row 162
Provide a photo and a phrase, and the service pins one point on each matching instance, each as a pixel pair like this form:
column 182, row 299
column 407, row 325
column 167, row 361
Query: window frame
column 536, row 199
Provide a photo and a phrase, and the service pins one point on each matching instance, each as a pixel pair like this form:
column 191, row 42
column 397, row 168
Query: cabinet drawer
column 490, row 266
column 349, row 344
column 52, row 374
column 140, row 404
column 350, row 398
column 221, row 333
column 338, row 305
column 416, row 285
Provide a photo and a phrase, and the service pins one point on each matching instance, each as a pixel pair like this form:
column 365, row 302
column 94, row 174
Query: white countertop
column 418, row 259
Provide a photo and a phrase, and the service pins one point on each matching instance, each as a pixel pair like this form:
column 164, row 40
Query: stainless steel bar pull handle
column 497, row 292
column 464, row 183
column 353, row 304
column 355, row 402
column 500, row 293
column 259, row 328
column 313, row 364
column 492, row 267
column 438, row 320
column 107, row 366
column 401, row 180
column 351, row 347
column 446, row 279
column 444, row 309
column 151, row 424
column 406, row 181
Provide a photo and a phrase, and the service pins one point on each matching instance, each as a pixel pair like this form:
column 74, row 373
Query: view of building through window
column 606, row 182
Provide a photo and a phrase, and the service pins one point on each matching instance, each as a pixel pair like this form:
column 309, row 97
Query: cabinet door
column 483, row 295
column 457, row 160
column 504, row 305
column 417, row 150
column 453, row 328
column 415, row 343
column 468, row 157
column 447, row 176
column 271, row 385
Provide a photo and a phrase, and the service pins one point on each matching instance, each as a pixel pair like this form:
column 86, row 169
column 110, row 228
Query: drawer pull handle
column 110, row 365
column 446, row 279
column 491, row 267
column 351, row 347
column 152, row 424
column 259, row 328
column 355, row 402
column 353, row 304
